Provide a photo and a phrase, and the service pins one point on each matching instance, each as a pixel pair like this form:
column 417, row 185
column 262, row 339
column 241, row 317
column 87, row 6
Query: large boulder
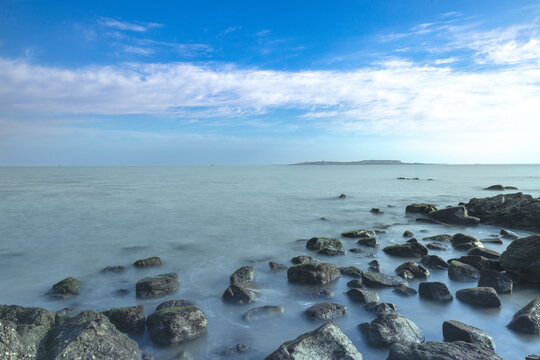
column 420, row 208
column 327, row 342
column 240, row 293
column 128, row 319
column 318, row 243
column 435, row 291
column 457, row 331
column 434, row 350
column 388, row 329
column 480, row 296
column 313, row 273
column 456, row 215
column 325, row 311
column 65, row 289
column 176, row 325
column 243, row 274
column 522, row 257
column 527, row 319
column 500, row 282
column 263, row 312
column 513, row 210
column 413, row 249
column 379, row 280
column 157, row 285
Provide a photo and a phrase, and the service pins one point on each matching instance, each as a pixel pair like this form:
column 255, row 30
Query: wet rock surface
column 363, row 296
column 459, row 271
column 351, row 271
column 434, row 262
column 313, row 273
column 303, row 259
column 527, row 319
column 465, row 242
column 151, row 261
column 325, row 311
column 404, row 290
column 480, row 296
column 129, row 319
column 263, row 312
column 411, row 270
column 243, row 274
column 378, row 280
column 522, row 257
column 435, row 291
column 157, row 285
column 433, row 350
column 420, row 208
column 176, row 325
column 318, row 243
column 359, row 234
column 388, row 329
column 240, row 293
column 382, row 308
column 410, row 250
column 457, row 331
column 500, row 282
column 65, row 289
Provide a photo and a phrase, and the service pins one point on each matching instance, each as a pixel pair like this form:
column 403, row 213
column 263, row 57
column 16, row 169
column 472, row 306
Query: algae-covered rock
column 66, row 288
column 151, row 261
column 128, row 319
column 176, row 325
column 157, row 285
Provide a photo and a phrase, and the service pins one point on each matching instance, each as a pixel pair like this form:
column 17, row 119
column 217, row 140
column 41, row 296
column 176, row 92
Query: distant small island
column 361, row 162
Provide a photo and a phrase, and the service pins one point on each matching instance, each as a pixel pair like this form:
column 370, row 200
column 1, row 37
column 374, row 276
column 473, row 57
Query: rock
column 263, row 312
column 317, row 292
column 388, row 329
column 363, row 296
column 527, row 319
column 492, row 240
column 243, row 274
column 500, row 282
column 127, row 319
column 303, row 259
column 174, row 303
column 356, row 283
column 532, row 357
column 68, row 311
column 240, row 293
column 434, row 350
column 509, row 234
column 456, row 215
column 378, row 280
column 327, row 342
column 374, row 266
column 459, row 271
column 411, row 270
column 404, row 290
column 481, row 296
column 176, row 325
column 325, row 311
column 371, row 242
column 351, row 271
column 114, row 269
column 274, row 266
column 436, row 246
column 157, row 286
column 235, row 350
column 65, row 289
column 465, row 242
column 356, row 250
column 406, row 250
column 522, row 257
column 342, row 196
column 420, row 208
column 487, row 253
column 478, row 262
column 121, row 292
column 313, row 273
column 382, row 308
column 330, row 252
column 434, row 262
column 318, row 243
column 434, row 291
column 376, row 211
column 361, row 233
column 514, row 210
column 428, row 221
column 408, row 234
column 458, row 331
column 151, row 261
column 413, row 240
column 495, row 187
column 440, row 237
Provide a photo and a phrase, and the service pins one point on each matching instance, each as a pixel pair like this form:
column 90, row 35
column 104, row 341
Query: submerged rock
column 363, row 296
column 408, row 234
column 318, row 243
column 434, row 350
column 481, row 296
column 459, row 271
column 527, row 319
column 303, row 259
column 157, row 285
column 263, row 312
column 388, row 329
column 376, row 211
column 370, row 242
column 176, row 325
column 316, row 292
column 382, row 308
column 351, row 271
column 435, row 291
column 313, row 273
column 420, row 208
column 434, row 262
column 240, row 293
column 456, row 215
column 274, row 266
column 325, row 311
column 378, row 280
column 243, row 274
column 440, row 237
column 404, row 290
column 66, row 288
column 436, row 246
column 411, row 270
column 522, row 257
column 478, row 262
column 129, row 319
column 356, row 283
column 413, row 249
column 151, row 261
column 330, row 251
column 327, row 342
column 500, row 282
column 457, row 331
column 114, row 269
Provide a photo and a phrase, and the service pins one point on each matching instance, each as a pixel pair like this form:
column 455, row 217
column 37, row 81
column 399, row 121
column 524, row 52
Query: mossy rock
column 66, row 288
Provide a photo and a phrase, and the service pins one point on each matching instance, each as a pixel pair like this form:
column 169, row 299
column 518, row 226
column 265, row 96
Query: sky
column 268, row 82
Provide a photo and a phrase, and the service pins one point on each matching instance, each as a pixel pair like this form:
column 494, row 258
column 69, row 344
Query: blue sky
column 267, row 82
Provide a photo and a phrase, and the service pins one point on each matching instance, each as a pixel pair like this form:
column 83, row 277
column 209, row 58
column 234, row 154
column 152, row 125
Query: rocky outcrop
column 313, row 273
column 157, row 285
column 522, row 257
column 459, row 271
column 363, row 296
column 527, row 319
column 457, row 331
column 434, row 350
column 480, row 296
column 410, row 250
column 176, row 325
column 240, row 293
column 456, row 215
column 243, row 274
column 65, row 289
column 411, row 270
column 263, row 312
column 435, row 291
column 513, row 210
column 388, row 329
column 325, row 311
column 378, row 280
column 420, row 208
column 327, row 342
column 318, row 243
column 127, row 319
column 500, row 282
column 151, row 261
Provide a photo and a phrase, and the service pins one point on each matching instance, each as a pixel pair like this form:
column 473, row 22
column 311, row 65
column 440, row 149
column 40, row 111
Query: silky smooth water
column 205, row 222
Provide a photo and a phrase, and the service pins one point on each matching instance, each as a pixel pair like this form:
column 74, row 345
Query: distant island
column 361, row 162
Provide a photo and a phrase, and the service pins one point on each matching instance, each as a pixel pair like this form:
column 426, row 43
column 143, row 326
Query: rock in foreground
column 325, row 311
column 435, row 291
column 243, row 274
column 481, row 296
column 522, row 257
column 434, row 350
column 66, row 288
column 458, row 331
column 157, row 286
column 388, row 329
column 127, row 319
column 176, row 325
column 313, row 273
column 327, row 342
column 240, row 293
column 527, row 319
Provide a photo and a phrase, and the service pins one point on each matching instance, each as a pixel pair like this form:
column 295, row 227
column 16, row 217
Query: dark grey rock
column 481, row 296
column 370, row 242
column 478, row 262
column 274, row 266
column 359, row 234
column 388, row 329
column 378, row 280
column 240, row 293
column 404, row 290
column 318, row 243
column 157, row 285
column 327, row 342
column 174, row 303
column 500, row 282
column 527, row 319
column 65, row 289
column 376, row 211
column 465, row 242
column 325, row 311
column 303, row 259
column 434, row 262
column 492, row 240
column 458, row 331
column 411, row 270
column 263, row 312
column 532, row 357
column 356, row 283
column 313, row 273
column 487, row 253
column 434, row 291
column 151, row 261
column 406, row 250
column 459, row 271
column 330, row 251
column 420, row 208
column 363, row 296
column 176, row 325
column 434, row 350
column 457, row 215
column 428, row 221
column 374, row 266
column 114, row 269
column 509, row 234
column 342, row 196
column 408, row 234
column 440, row 237
column 243, row 274
column 351, row 271
column 129, row 319
column 495, row 187
column 436, row 246
column 522, row 257
column 382, row 308
column 356, row 250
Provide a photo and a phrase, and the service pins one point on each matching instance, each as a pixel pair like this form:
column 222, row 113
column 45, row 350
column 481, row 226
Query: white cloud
column 138, row 50
column 127, row 26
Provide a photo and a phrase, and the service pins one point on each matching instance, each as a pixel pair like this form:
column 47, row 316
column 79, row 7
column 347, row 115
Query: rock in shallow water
column 240, row 293
column 480, row 296
column 378, row 280
column 434, row 262
column 151, row 261
column 128, row 319
column 175, row 325
column 420, row 208
column 456, row 215
column 412, row 249
column 434, row 350
column 363, row 296
column 404, row 290
column 411, row 270
column 325, row 311
column 318, row 243
column 359, row 234
column 522, row 257
column 527, row 319
column 157, row 285
column 351, row 271
column 243, row 274
column 435, row 291
column 313, row 273
column 66, row 288
column 500, row 282
column 459, row 271
column 263, row 312
column 388, row 329
column 303, row 259
column 457, row 331
column 465, row 242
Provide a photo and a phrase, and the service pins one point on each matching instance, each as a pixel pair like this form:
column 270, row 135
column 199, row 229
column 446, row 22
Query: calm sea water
column 205, row 222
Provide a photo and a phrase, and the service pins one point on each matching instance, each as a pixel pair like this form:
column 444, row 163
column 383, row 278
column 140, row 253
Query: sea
column 204, row 222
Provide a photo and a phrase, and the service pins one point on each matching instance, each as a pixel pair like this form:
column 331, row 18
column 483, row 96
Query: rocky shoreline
column 33, row 333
